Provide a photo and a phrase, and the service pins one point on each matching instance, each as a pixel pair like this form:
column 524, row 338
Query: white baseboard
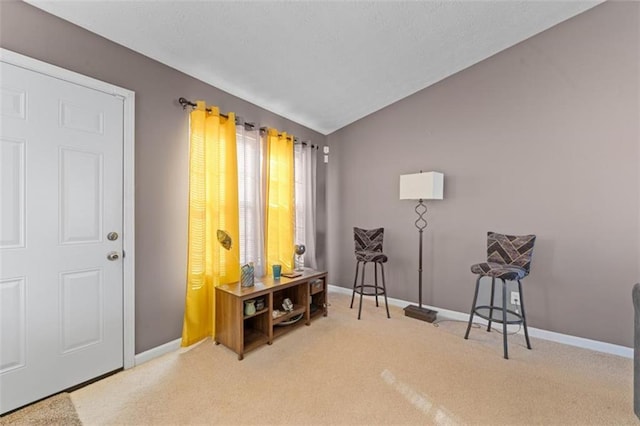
column 145, row 356
column 566, row 339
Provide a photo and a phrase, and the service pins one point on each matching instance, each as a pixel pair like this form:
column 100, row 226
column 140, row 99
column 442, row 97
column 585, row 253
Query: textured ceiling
column 323, row 64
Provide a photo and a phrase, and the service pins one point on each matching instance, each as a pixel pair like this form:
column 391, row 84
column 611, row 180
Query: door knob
column 113, row 256
column 112, row 236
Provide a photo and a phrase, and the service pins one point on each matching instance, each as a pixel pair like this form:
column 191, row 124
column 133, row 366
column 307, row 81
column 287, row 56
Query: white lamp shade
column 422, row 186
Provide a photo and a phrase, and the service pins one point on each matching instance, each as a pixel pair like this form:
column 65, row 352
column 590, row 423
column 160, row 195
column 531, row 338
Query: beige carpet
column 57, row 410
column 373, row 371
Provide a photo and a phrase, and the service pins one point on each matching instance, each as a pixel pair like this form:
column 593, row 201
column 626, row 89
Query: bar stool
column 508, row 259
column 368, row 248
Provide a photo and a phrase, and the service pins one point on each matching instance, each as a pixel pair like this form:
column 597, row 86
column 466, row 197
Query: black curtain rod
column 185, row 103
column 305, row 143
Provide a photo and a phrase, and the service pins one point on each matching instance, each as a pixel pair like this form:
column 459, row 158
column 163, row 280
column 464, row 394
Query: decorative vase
column 246, row 275
column 298, row 260
column 249, row 307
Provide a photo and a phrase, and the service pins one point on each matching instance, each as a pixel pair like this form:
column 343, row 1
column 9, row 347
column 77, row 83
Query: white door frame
column 128, row 238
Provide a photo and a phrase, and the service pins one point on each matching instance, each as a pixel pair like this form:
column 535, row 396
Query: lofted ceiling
column 323, row 64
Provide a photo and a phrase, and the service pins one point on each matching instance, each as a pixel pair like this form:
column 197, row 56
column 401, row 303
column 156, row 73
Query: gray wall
column 542, row 138
column 161, row 151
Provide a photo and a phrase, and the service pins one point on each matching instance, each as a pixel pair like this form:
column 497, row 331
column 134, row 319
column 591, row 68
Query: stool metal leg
column 364, row 267
column 473, row 307
column 504, row 318
column 524, row 317
column 493, row 287
column 355, row 280
column 375, row 280
column 384, row 289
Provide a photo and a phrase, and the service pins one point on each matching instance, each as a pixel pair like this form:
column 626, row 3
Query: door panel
column 13, row 102
column 81, row 117
column 12, row 324
column 61, row 298
column 81, row 177
column 81, row 318
column 12, row 176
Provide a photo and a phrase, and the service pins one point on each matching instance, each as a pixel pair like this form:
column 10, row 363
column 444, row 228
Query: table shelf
column 242, row 333
column 260, row 312
column 297, row 310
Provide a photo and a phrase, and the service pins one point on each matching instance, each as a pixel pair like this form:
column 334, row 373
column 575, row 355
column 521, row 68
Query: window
column 298, row 167
column 250, row 196
column 251, row 191
column 305, row 163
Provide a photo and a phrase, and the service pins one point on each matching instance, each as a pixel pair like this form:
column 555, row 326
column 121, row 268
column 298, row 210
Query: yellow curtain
column 280, row 208
column 213, row 207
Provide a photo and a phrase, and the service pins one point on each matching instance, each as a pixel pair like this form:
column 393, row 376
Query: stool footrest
column 377, row 290
column 484, row 311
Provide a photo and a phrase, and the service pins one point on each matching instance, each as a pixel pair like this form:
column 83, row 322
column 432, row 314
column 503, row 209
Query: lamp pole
column 418, row 312
column 421, row 223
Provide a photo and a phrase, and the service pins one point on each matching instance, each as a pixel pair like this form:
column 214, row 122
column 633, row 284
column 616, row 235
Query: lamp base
column 422, row 314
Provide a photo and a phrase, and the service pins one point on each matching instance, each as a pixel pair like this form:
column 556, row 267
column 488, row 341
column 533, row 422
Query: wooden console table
column 242, row 333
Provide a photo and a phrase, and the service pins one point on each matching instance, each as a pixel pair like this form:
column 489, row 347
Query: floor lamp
column 421, row 186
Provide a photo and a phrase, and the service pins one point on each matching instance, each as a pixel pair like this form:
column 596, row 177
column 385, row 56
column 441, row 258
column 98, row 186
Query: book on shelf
column 292, row 274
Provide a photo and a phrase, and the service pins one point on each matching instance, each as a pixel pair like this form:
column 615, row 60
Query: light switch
column 326, row 149
column 326, row 159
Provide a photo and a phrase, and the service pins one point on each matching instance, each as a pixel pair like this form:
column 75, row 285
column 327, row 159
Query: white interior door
column 61, row 277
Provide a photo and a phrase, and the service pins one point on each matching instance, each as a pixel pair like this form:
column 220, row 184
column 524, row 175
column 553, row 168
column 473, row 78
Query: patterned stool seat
column 498, row 270
column 370, row 256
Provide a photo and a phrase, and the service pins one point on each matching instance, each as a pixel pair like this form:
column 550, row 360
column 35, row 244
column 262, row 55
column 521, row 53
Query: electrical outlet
column 515, row 298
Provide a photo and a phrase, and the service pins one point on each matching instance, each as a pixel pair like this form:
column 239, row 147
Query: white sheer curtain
column 251, row 197
column 305, row 157
column 251, row 153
